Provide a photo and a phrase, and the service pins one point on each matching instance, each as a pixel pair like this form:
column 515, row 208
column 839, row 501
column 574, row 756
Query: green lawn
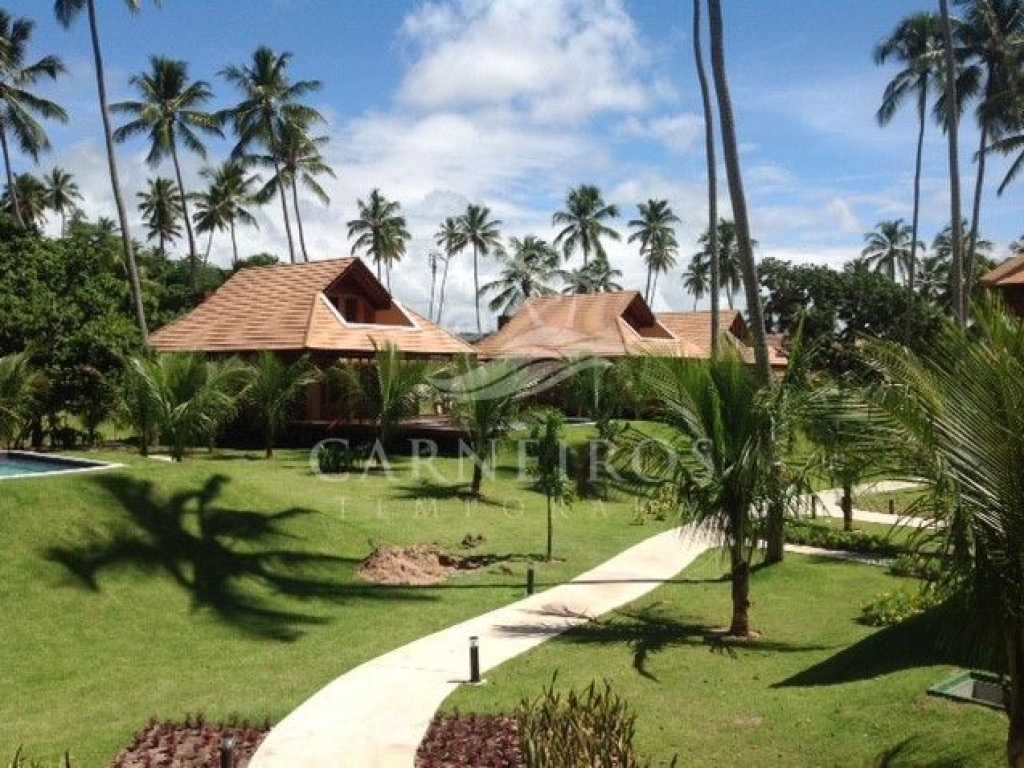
column 226, row 584
column 818, row 688
column 903, row 506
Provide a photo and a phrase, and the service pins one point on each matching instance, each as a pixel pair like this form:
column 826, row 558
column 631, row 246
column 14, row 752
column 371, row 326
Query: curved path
column 376, row 715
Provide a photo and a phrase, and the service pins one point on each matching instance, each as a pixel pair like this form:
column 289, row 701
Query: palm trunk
column 979, row 183
column 647, row 293
column 284, row 213
column 654, row 288
column 478, row 478
column 954, row 167
column 709, row 151
column 476, row 290
column 846, row 504
column 740, row 625
column 268, row 444
column 209, row 245
column 1015, row 704
column 550, row 531
column 234, row 245
column 444, row 283
column 163, row 251
column 736, row 193
column 11, row 186
column 433, row 286
column 192, row 255
column 122, row 213
column 922, row 107
column 298, row 221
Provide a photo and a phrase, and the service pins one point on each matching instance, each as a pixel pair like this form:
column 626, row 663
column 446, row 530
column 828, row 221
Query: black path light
column 227, row 752
column 474, row 659
column 529, row 580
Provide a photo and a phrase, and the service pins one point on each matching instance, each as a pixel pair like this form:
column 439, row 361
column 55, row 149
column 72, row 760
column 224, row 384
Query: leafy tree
column 273, row 390
column 270, row 101
column 160, row 206
column 549, row 468
column 61, row 195
column 380, row 232
column 657, row 238
column 481, row 233
column 451, row 241
column 19, row 106
column 20, row 384
column 583, row 223
column 170, row 110
column 526, row 272
column 888, row 249
column 66, row 12
column 26, row 200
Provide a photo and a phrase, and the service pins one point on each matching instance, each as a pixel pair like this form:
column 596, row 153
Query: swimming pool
column 20, row 464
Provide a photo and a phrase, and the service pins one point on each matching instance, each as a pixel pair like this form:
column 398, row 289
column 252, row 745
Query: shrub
column 662, row 506
column 891, row 608
column 826, row 537
column 336, row 457
column 918, row 566
column 589, row 729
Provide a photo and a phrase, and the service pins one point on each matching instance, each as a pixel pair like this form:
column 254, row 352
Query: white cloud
column 678, row 133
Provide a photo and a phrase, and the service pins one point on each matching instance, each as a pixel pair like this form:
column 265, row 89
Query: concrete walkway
column 376, row 715
column 830, row 501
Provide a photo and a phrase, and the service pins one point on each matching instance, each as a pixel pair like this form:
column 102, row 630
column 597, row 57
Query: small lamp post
column 474, row 659
column 227, row 752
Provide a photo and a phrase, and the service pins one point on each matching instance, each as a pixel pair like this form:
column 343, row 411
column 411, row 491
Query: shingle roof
column 1010, row 272
column 283, row 307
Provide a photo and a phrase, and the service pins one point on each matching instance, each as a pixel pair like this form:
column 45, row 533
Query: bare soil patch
column 419, row 565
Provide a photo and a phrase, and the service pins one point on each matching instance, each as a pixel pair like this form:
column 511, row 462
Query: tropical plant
column 61, row 194
column 160, row 206
column 548, row 470
column 25, row 201
column 657, row 239
column 451, row 241
column 952, row 139
column 19, row 106
column 210, row 216
column 916, row 45
column 274, row 387
column 598, row 276
column 697, row 277
column 190, row 397
column 136, row 407
column 233, row 187
column 481, row 233
column 270, row 101
column 714, row 267
column 935, row 269
column 380, row 232
column 20, row 383
column 526, row 272
column 888, row 249
column 582, row 223
column 66, row 12
column 170, row 110
column 730, row 273
column 433, row 257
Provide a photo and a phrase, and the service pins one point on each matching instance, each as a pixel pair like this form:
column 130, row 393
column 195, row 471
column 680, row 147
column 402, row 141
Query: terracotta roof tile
column 1010, row 272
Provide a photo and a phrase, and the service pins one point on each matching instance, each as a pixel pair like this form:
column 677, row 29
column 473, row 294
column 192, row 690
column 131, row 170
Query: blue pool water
column 20, row 465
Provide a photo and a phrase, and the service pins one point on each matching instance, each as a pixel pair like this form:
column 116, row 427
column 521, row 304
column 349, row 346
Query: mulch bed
column 471, row 741
column 193, row 743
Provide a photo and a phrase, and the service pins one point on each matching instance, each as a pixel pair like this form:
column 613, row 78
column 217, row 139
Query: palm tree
column 18, row 105
column 67, row 11
column 26, row 200
column 596, row 277
column 696, row 278
column 20, row 383
column 380, row 231
column 526, row 272
column 61, row 194
column 273, row 389
column 269, row 101
column 729, row 269
column 210, row 216
column 160, row 206
column 916, row 45
column 433, row 257
column 299, row 158
column 709, row 154
column 935, row 270
column 170, row 110
column 952, row 136
column 888, row 249
column 549, row 469
column 582, row 223
column 235, row 191
column 450, row 240
column 481, row 233
column 657, row 238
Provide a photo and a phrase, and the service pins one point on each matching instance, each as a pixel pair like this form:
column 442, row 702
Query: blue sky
column 510, row 103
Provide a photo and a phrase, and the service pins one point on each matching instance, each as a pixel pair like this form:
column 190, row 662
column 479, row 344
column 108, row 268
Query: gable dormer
column 360, row 299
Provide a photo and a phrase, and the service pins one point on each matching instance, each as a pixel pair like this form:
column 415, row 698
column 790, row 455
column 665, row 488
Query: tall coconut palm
column 25, row 200
column 525, row 271
column 274, row 388
column 160, row 206
column 582, row 223
column 916, row 45
column 696, row 278
column 270, row 100
column 19, row 106
column 433, row 259
column 170, row 111
column 952, row 139
column 380, row 231
column 656, row 236
column 481, row 233
column 210, row 216
column 596, row 277
column 888, row 249
column 67, row 11
column 936, row 282
column 61, row 194
column 234, row 188
column 709, row 155
column 451, row 241
column 729, row 270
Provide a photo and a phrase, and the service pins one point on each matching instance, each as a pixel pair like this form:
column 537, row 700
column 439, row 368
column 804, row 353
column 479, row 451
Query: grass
column 226, row 584
column 906, row 503
column 817, row 689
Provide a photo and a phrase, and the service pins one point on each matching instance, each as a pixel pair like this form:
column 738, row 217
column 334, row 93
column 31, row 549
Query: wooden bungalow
column 1008, row 280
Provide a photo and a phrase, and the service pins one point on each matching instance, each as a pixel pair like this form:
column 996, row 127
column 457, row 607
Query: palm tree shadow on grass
column 219, row 556
column 424, row 490
column 914, row 752
column 647, row 631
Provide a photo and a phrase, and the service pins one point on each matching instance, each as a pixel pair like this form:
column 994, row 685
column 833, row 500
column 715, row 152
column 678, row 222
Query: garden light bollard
column 227, row 752
column 474, row 659
column 529, row 580
column 892, row 506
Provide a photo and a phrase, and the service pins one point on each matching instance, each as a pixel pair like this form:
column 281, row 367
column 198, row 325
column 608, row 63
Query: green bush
column 918, row 566
column 891, row 608
column 336, row 457
column 589, row 729
column 826, row 537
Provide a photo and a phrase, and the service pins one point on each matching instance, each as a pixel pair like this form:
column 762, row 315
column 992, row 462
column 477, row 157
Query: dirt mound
column 418, row 565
